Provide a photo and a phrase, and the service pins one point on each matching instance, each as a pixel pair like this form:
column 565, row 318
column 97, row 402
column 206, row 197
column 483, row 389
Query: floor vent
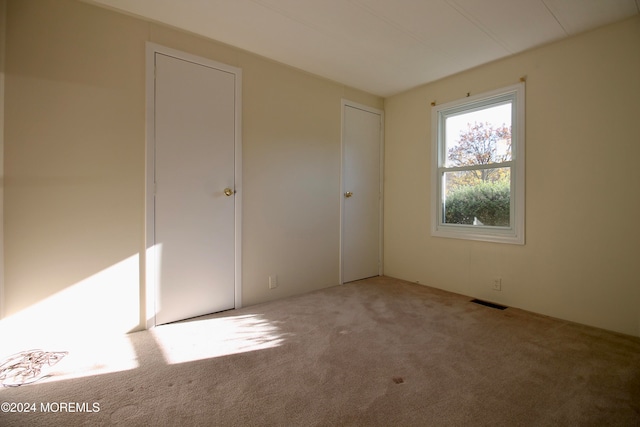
column 489, row 304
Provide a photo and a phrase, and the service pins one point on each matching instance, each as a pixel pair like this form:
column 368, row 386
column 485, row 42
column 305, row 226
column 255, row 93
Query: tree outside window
column 478, row 193
column 480, row 196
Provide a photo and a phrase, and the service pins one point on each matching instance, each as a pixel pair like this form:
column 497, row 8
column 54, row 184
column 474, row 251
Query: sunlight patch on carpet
column 207, row 338
column 86, row 319
column 91, row 355
column 98, row 356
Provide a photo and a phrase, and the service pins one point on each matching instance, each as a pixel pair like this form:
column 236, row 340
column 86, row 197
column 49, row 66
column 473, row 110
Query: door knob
column 228, row 192
column 348, row 194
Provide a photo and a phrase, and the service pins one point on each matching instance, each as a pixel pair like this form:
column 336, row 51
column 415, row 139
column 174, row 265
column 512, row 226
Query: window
column 478, row 167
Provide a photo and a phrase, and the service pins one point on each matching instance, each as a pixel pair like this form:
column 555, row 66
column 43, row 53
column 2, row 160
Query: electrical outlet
column 497, row 284
column 273, row 281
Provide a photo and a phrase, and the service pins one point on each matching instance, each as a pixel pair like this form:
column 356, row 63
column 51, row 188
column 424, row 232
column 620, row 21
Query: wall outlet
column 497, row 284
column 273, row 281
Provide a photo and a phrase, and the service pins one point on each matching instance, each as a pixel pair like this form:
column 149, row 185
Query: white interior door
column 194, row 220
column 361, row 233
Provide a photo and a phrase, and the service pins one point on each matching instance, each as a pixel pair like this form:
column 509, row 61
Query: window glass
column 479, row 137
column 472, row 200
column 479, row 167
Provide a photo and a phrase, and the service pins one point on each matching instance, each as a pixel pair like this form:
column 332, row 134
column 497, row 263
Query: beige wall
column 75, row 158
column 75, row 155
column 581, row 260
column 3, row 7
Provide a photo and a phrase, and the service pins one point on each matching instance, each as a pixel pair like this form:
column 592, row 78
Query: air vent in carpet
column 489, row 304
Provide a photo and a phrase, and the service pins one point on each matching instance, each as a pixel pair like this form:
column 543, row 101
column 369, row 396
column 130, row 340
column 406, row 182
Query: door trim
column 150, row 267
column 347, row 103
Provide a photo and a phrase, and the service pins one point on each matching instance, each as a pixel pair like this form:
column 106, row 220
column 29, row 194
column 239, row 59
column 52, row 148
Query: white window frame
column 515, row 232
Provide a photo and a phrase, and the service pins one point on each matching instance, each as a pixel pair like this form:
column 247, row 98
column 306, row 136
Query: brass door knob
column 348, row 194
column 228, row 192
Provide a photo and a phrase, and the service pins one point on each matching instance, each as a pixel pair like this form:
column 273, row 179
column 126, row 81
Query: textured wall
column 580, row 260
column 75, row 166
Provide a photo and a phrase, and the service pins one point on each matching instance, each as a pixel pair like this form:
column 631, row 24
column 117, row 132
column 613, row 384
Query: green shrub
column 486, row 201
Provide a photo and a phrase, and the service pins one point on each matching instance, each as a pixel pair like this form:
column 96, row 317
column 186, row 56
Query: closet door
column 361, row 232
column 194, row 189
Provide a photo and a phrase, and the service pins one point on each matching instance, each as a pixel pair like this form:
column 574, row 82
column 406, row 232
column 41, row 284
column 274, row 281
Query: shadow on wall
column 104, row 304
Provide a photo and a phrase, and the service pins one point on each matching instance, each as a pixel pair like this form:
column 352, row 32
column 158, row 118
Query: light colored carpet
column 377, row 352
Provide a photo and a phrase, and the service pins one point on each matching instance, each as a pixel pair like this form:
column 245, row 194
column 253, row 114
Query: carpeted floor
column 377, row 352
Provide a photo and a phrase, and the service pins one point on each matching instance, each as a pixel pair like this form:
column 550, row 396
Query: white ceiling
column 382, row 46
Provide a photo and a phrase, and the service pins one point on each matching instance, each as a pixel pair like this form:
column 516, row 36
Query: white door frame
column 150, row 269
column 347, row 103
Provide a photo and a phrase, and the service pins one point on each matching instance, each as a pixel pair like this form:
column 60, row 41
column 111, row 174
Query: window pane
column 477, row 197
column 479, row 137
